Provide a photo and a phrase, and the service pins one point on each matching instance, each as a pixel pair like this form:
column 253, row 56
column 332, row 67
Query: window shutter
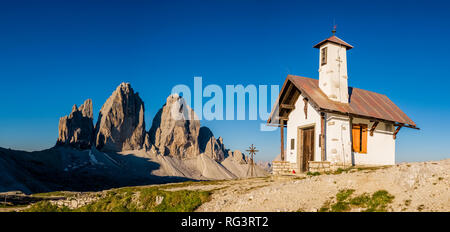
column 324, row 56
column 356, row 132
column 364, row 139
column 292, row 144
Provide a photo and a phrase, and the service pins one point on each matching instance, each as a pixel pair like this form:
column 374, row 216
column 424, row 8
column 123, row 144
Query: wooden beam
column 396, row 131
column 366, row 117
column 282, row 141
column 287, row 106
column 374, row 126
column 322, row 136
column 351, row 132
column 283, row 106
column 276, row 125
column 305, row 108
column 288, row 91
column 281, row 118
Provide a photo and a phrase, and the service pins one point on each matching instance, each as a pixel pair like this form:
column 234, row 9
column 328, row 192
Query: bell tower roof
column 334, row 39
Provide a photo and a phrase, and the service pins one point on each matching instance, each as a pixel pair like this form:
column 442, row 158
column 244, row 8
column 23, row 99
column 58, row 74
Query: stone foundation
column 294, row 167
column 319, row 166
column 281, row 167
column 286, row 167
column 326, row 166
column 335, row 166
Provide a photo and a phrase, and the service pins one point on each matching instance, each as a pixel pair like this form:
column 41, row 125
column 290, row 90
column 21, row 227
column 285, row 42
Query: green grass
column 5, row 206
column 313, row 173
column 192, row 183
column 46, row 206
column 54, row 194
column 342, row 170
column 349, row 169
column 136, row 199
column 344, row 194
column 377, row 202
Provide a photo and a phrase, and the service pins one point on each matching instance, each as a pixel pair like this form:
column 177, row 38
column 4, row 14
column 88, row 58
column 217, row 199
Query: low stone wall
column 294, row 167
column 76, row 201
column 336, row 166
column 326, row 166
column 319, row 166
column 280, row 167
column 286, row 167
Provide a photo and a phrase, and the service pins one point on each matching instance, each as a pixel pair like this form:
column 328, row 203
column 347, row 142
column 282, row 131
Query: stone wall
column 294, row 167
column 281, row 167
column 286, row 167
column 335, row 166
column 319, row 166
column 77, row 201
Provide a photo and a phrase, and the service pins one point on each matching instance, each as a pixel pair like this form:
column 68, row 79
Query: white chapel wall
column 338, row 140
column 297, row 119
column 380, row 146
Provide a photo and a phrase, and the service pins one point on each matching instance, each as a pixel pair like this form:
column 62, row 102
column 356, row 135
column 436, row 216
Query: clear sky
column 54, row 54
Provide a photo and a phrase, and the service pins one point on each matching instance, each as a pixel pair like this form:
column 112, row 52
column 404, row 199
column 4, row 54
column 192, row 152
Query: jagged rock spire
column 121, row 124
column 175, row 129
column 77, row 129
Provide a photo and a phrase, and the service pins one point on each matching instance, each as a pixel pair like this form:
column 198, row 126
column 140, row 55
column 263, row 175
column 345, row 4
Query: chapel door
column 308, row 147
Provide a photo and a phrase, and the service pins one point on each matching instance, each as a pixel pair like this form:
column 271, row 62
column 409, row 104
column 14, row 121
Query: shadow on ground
column 69, row 169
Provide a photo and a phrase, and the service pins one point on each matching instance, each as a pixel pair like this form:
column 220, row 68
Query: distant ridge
column 119, row 152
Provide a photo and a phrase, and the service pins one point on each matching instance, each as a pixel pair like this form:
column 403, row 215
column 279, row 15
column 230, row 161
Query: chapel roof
column 362, row 103
column 336, row 40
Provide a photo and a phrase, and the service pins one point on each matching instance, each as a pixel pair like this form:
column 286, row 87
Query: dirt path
column 423, row 186
column 13, row 209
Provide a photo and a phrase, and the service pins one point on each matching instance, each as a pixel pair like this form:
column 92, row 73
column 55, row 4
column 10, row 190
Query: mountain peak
column 77, row 129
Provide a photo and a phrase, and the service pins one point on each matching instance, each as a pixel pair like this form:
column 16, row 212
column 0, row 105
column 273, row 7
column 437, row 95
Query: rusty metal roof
column 336, row 40
column 361, row 103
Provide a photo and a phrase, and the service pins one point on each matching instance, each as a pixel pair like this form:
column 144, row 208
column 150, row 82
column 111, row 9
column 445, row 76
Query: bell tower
column 333, row 79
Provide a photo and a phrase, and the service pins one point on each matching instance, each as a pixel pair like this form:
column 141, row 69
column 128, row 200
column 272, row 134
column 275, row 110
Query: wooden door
column 308, row 147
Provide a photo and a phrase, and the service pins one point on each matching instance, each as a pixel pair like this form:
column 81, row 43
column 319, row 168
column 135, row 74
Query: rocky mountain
column 237, row 156
column 121, row 124
column 210, row 146
column 267, row 166
column 120, row 152
column 175, row 129
column 77, row 129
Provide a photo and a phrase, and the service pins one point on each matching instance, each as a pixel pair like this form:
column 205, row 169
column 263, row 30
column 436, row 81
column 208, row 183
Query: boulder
column 121, row 124
column 77, row 129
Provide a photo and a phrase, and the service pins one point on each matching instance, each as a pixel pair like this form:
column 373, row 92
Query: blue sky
column 54, row 54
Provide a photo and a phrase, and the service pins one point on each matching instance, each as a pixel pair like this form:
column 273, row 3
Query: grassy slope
column 377, row 202
column 136, row 199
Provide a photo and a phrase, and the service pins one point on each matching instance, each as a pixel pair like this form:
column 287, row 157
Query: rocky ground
column 421, row 186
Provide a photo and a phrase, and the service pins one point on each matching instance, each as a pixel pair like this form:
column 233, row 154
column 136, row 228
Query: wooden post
column 396, row 131
column 282, row 139
column 322, row 136
column 374, row 126
column 351, row 132
column 287, row 106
